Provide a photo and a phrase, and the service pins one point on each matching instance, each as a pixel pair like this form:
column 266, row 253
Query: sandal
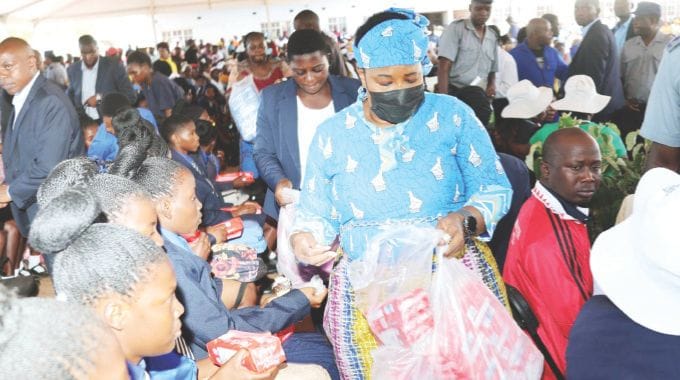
column 39, row 270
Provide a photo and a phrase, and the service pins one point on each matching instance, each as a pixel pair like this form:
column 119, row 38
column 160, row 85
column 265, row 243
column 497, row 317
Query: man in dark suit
column 597, row 56
column 40, row 130
column 281, row 129
column 95, row 76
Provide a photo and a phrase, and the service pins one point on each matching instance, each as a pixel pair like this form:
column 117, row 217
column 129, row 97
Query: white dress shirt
column 506, row 76
column 88, row 88
column 20, row 97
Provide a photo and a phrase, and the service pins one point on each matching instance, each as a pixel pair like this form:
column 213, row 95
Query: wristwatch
column 469, row 222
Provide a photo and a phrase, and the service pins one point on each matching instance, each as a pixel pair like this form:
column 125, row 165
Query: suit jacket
column 111, row 77
column 597, row 57
column 205, row 316
column 45, row 132
column 630, row 33
column 206, row 193
column 277, row 154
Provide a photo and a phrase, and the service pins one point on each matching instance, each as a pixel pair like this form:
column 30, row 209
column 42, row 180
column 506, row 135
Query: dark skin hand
column 452, row 224
column 91, row 101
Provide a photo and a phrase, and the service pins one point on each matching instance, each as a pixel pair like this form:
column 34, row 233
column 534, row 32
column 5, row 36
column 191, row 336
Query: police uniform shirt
column 639, row 64
column 662, row 116
column 472, row 56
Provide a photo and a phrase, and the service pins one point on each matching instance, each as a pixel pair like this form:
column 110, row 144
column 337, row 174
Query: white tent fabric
column 39, row 10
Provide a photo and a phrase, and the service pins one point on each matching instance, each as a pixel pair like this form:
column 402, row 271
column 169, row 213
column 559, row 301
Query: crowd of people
column 150, row 186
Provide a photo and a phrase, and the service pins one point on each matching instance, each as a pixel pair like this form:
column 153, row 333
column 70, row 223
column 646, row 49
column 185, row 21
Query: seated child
column 89, row 128
column 120, row 274
column 172, row 187
column 104, row 146
column 48, row 339
column 180, row 134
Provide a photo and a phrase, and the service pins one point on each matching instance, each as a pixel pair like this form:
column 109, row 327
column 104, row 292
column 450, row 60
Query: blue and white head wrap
column 395, row 42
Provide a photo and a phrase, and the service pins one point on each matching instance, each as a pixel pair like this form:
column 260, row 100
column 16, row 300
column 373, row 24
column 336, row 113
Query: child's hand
column 219, row 232
column 266, row 298
column 201, row 246
column 233, row 369
column 315, row 296
column 241, row 182
column 247, row 208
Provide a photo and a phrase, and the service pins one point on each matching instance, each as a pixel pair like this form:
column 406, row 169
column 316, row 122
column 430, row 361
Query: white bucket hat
column 637, row 262
column 581, row 96
column 526, row 100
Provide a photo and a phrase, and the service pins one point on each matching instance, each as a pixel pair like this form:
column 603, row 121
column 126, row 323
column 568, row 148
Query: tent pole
column 266, row 7
column 153, row 22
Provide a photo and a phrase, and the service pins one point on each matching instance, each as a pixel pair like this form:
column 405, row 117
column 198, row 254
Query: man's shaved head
column 16, row 44
column 571, row 165
column 539, row 31
column 18, row 64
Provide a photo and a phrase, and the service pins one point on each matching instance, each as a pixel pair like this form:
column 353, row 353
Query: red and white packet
column 265, row 351
column 402, row 320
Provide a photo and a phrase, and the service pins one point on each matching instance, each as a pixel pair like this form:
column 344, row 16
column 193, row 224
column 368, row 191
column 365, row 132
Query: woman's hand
column 452, row 225
column 308, row 251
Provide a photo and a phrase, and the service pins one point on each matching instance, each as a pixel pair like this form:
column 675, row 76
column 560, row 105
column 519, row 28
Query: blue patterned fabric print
column 395, row 42
column 361, row 179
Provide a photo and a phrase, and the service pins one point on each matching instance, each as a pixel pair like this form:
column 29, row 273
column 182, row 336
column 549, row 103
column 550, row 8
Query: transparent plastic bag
column 474, row 335
column 470, row 336
column 396, row 262
column 244, row 102
column 286, row 263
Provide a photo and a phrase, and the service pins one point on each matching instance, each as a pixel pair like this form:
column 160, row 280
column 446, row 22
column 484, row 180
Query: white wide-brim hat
column 526, row 100
column 580, row 95
column 637, row 262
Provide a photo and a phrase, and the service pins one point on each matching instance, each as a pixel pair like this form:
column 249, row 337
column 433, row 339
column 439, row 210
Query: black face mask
column 397, row 106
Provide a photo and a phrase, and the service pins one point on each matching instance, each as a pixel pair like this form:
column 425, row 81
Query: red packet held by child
column 402, row 320
column 264, row 348
column 231, row 177
column 234, row 228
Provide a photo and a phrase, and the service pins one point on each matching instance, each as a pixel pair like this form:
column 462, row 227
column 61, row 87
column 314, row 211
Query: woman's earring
column 363, row 94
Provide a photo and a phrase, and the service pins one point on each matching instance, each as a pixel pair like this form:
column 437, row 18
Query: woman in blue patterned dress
column 397, row 156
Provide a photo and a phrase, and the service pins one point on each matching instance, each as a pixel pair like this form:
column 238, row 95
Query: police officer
column 468, row 54
column 662, row 116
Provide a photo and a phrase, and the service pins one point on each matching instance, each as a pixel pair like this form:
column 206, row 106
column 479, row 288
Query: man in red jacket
column 549, row 252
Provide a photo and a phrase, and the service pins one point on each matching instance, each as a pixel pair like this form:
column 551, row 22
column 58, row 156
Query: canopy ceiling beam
column 21, row 8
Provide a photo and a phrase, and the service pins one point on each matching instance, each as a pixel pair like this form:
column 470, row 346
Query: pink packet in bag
column 402, row 320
